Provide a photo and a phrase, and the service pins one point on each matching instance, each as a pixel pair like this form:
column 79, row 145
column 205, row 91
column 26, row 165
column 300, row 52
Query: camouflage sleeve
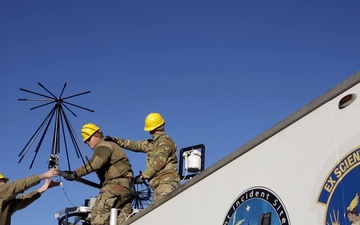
column 157, row 160
column 135, row 146
column 19, row 186
column 100, row 157
column 24, row 200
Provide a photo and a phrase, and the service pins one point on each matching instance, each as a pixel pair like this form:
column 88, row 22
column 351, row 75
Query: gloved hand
column 139, row 180
column 68, row 175
column 109, row 138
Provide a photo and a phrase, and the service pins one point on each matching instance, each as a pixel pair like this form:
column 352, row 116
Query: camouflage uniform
column 114, row 171
column 161, row 162
column 10, row 202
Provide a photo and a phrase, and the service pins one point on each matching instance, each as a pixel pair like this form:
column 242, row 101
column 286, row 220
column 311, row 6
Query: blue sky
column 220, row 72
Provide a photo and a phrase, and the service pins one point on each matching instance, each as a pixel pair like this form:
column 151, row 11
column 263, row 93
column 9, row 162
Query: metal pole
column 113, row 216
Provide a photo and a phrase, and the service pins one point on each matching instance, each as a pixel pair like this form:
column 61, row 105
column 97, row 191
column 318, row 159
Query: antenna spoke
column 32, row 139
column 83, row 93
column 90, row 110
column 75, row 140
column 35, row 93
column 33, row 99
column 65, row 143
column 62, row 91
column 78, row 149
column 69, row 110
column 55, row 144
column 40, row 142
column 32, row 162
column 46, row 90
column 42, row 105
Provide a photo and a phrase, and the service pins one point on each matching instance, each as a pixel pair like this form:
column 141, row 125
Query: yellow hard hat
column 3, row 178
column 88, row 130
column 153, row 121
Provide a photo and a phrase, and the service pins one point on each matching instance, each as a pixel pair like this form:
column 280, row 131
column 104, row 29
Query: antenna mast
column 61, row 123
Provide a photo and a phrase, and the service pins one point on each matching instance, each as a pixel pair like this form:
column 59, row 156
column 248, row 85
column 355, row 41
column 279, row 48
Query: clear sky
column 220, row 73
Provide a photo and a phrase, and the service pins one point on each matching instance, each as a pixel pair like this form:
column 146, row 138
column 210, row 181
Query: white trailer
column 303, row 170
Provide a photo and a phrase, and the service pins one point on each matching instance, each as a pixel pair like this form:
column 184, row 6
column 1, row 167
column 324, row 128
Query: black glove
column 109, row 138
column 68, row 175
column 139, row 180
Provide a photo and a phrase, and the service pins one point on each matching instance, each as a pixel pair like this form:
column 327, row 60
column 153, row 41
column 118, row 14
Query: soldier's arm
column 24, row 200
column 19, row 186
column 135, row 146
column 159, row 161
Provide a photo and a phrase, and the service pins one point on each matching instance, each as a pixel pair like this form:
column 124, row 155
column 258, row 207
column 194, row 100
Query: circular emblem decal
column 340, row 191
column 257, row 205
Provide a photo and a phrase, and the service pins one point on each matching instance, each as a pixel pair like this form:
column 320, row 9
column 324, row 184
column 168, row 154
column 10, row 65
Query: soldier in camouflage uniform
column 113, row 168
column 11, row 201
column 161, row 159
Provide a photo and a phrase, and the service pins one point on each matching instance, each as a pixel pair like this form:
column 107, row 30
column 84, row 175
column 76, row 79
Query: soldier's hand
column 68, row 175
column 109, row 138
column 139, row 180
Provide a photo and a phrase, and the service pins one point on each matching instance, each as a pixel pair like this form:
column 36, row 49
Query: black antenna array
column 61, row 127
